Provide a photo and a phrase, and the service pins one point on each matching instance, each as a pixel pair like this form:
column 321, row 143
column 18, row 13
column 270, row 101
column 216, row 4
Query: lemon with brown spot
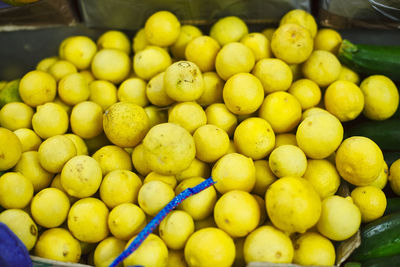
column 371, row 201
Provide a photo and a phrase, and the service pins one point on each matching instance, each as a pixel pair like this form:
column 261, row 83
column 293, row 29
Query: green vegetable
column 371, row 59
column 380, row 238
column 378, row 262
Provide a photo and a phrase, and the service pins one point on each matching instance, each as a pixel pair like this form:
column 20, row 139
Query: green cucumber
column 382, row 262
column 380, row 238
column 371, row 59
column 393, row 205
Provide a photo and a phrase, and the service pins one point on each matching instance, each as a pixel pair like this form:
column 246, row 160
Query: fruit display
column 98, row 139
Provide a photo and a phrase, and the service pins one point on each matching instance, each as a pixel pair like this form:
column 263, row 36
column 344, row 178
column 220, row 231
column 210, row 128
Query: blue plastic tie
column 159, row 217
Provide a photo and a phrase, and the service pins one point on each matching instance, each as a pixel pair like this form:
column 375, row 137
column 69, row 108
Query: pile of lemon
column 101, row 143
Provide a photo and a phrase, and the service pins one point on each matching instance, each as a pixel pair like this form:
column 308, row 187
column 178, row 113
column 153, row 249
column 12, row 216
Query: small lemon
column 139, row 41
column 16, row 115
column 111, row 65
column 155, row 91
column 211, row 143
column 120, row 186
column 103, row 93
column 371, row 201
column 133, row 90
column 314, row 249
column 313, row 138
column 285, row 139
column 349, row 75
column 187, row 34
column 219, row 115
column 125, row 124
column 359, row 160
column 61, row 68
column 274, row 74
column 382, row 179
column 156, row 115
column 107, row 251
column 394, row 177
column 176, row 258
column 306, row 92
column 322, row 67
column 213, row 86
column 281, row 110
column 87, row 75
column 168, row 179
column 200, row 205
column 16, row 190
column 243, row 93
column 49, row 120
column 234, row 171
column 302, row 18
column 45, row 63
column 87, row 119
column 78, row 50
column 237, row 213
column 228, row 29
column 30, row 167
column 162, row 28
column 323, row 175
column 139, row 161
column 87, row 220
column 81, row 176
column 176, row 228
column 189, row 115
column 153, row 196
column 201, row 247
column 55, row 151
column 283, row 199
column 264, row 177
column 168, row 148
column 73, row 89
column 340, row 218
column 114, row 40
column 288, row 160
column 80, row 145
column 150, row 61
column 202, row 51
column 258, row 43
column 10, row 149
column 28, row 138
column 37, row 87
column 152, row 252
column 276, row 247
column 292, row 43
column 112, row 158
column 328, row 40
column 381, row 97
column 22, row 226
column 197, row 168
column 268, row 32
column 234, row 58
column 126, row 220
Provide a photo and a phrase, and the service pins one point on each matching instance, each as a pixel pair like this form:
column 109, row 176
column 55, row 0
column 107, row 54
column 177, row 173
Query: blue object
column 159, row 217
column 12, row 251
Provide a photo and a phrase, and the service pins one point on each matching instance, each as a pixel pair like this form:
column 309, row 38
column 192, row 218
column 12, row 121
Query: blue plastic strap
column 159, row 217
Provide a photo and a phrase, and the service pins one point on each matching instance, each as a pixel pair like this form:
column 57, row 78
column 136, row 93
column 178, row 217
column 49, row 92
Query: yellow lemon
column 258, row 43
column 234, row 171
column 243, row 93
column 323, row 175
column 371, row 201
column 16, row 190
column 162, row 28
column 103, row 93
column 281, row 110
column 276, row 247
column 111, row 65
column 382, row 179
column 340, row 218
column 237, row 213
column 228, row 29
column 176, row 228
column 87, row 119
column 200, row 205
column 213, row 86
column 22, row 226
column 168, row 179
column 78, row 50
column 274, row 74
column 87, row 220
column 322, row 67
column 268, row 32
column 56, row 183
column 10, row 149
column 292, row 43
column 183, row 81
column 234, row 58
column 211, row 143
column 73, row 89
column 219, row 115
column 150, row 61
column 328, row 40
column 197, row 168
column 28, row 138
column 107, row 251
column 81, row 176
column 125, row 124
column 16, row 115
column 189, row 115
column 349, row 75
column 139, row 41
column 187, row 34
column 312, row 111
column 139, row 161
column 288, row 160
column 254, row 138
column 285, row 139
column 202, row 51
column 313, row 138
column 49, row 120
column 120, row 186
column 394, row 177
column 45, row 63
column 314, row 249
column 126, row 220
column 156, row 115
column 37, row 87
column 112, row 158
column 202, row 244
column 168, row 148
column 87, row 75
column 80, row 145
column 64, row 106
column 264, row 177
column 381, row 97
column 133, row 90
column 359, row 160
column 302, row 18
column 153, row 196
column 62, row 68
column 155, row 91
column 284, row 197
column 306, row 92
column 114, row 40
